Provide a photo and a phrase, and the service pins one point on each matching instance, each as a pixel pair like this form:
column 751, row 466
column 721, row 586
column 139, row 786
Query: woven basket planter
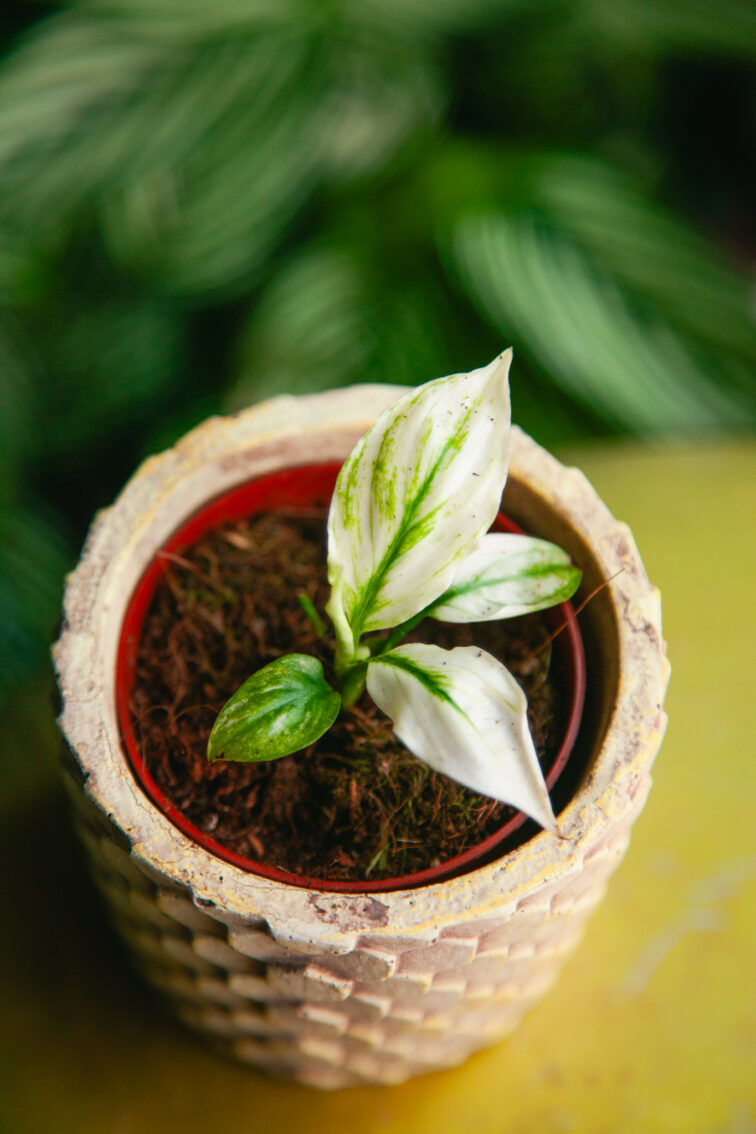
column 329, row 988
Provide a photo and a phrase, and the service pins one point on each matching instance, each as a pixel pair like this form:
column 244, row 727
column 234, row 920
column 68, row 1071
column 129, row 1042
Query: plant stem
column 352, row 684
column 345, row 643
column 401, row 632
column 308, row 607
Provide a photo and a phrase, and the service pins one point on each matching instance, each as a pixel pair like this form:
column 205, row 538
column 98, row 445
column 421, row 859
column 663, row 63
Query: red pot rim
column 296, row 488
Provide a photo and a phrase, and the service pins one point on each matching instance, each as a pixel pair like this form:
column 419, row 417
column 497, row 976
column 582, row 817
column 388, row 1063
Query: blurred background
column 206, row 203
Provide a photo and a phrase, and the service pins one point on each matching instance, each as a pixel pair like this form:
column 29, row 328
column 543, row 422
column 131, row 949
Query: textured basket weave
column 338, row 989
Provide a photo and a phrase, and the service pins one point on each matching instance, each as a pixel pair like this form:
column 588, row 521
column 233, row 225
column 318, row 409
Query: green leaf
column 387, row 89
column 18, row 397
column 118, row 355
column 505, row 576
column 320, row 323
column 462, row 713
column 313, row 327
column 727, row 27
column 650, row 251
column 33, row 561
column 194, row 19
column 208, row 224
column 62, row 93
column 616, row 356
column 413, row 17
column 415, row 496
column 280, row 709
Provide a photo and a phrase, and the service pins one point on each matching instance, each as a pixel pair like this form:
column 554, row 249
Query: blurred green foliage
column 204, row 203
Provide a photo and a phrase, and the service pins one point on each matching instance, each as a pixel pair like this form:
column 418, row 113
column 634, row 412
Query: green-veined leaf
column 415, row 496
column 465, row 715
column 507, row 575
column 283, row 707
column 649, row 251
column 622, row 361
column 321, row 320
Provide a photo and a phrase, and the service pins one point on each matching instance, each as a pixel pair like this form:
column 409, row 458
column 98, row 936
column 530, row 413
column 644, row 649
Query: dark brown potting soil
column 354, row 805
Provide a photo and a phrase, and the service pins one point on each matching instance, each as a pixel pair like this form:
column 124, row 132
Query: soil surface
column 356, row 804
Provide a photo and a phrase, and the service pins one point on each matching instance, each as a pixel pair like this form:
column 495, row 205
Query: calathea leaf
column 465, row 715
column 507, row 575
column 283, row 707
column 415, row 496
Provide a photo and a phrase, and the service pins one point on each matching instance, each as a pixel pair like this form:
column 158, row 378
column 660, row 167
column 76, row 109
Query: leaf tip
column 551, row 824
column 496, row 379
column 502, row 364
column 214, row 750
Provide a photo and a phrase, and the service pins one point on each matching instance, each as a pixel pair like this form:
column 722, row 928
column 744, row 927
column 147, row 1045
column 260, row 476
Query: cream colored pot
column 338, row 989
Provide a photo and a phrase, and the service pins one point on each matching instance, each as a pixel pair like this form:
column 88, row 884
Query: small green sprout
column 408, row 539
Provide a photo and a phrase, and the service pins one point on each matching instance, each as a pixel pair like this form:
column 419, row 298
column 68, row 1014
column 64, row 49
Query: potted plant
column 353, row 984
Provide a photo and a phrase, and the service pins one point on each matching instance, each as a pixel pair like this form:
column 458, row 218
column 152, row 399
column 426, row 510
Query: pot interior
column 312, row 485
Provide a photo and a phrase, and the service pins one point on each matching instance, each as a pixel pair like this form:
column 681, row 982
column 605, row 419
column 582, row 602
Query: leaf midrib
column 483, row 584
column 422, row 675
column 374, row 584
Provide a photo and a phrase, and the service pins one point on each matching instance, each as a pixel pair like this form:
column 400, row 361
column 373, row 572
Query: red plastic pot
column 312, row 485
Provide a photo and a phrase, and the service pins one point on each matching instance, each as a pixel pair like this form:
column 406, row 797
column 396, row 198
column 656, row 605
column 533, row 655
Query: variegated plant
column 407, row 539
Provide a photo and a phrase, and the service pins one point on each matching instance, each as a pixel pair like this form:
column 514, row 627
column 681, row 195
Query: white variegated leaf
column 507, row 575
column 415, row 496
column 465, row 715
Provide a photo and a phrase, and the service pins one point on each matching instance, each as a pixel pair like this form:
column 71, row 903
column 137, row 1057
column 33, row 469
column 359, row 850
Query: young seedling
column 408, row 539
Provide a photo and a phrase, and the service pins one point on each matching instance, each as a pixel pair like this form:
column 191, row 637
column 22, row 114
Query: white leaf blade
column 465, row 715
column 507, row 575
column 417, row 493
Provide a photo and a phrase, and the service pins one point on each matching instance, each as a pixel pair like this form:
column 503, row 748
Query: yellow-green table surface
column 651, row 1026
